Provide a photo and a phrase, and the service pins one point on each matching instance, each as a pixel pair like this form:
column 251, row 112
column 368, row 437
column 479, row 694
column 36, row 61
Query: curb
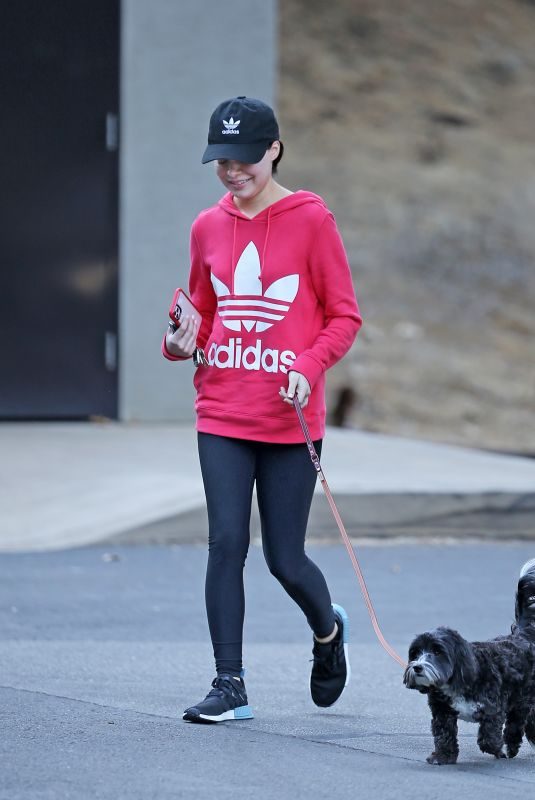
column 493, row 516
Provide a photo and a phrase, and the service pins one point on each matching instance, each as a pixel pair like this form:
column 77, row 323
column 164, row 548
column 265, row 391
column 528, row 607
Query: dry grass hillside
column 415, row 119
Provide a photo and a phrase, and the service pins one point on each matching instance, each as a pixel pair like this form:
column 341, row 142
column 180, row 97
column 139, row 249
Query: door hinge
column 110, row 351
column 112, row 132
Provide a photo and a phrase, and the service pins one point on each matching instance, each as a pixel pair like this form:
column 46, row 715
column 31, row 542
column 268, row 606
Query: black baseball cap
column 241, row 129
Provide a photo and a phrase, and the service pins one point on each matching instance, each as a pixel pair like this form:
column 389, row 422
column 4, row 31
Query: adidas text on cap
column 241, row 129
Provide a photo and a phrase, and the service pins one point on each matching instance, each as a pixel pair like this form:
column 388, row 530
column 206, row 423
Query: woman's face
column 246, row 181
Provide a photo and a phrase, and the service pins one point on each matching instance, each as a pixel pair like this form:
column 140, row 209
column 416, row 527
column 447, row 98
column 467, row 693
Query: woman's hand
column 183, row 341
column 297, row 384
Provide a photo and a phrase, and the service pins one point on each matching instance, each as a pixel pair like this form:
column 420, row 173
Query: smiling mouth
column 239, row 184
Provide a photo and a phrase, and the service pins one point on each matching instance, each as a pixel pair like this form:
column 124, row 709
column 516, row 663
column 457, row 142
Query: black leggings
column 285, row 479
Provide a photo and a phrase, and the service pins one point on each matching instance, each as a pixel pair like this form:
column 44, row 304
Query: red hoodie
column 275, row 293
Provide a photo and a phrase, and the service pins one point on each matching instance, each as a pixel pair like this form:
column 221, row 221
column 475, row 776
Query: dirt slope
column 416, row 122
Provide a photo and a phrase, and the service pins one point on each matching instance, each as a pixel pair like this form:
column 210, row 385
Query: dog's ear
column 463, row 661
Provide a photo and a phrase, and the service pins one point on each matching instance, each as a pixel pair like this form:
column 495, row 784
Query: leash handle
column 311, row 449
column 349, row 547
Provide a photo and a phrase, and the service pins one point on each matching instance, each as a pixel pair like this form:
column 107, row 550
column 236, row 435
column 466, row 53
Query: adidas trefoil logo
column 231, row 126
column 248, row 308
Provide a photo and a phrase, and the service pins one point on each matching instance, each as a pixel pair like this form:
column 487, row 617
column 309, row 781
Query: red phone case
column 182, row 307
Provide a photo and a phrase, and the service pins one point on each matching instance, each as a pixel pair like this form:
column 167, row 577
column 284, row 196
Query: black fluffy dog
column 491, row 683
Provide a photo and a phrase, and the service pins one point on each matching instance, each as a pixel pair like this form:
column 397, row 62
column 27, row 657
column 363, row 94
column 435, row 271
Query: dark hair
column 277, row 161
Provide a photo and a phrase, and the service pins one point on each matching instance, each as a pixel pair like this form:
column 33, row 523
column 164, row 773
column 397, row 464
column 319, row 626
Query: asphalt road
column 101, row 648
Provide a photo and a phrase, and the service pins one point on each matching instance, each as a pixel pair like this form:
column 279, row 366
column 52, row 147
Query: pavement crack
column 481, row 769
column 53, row 696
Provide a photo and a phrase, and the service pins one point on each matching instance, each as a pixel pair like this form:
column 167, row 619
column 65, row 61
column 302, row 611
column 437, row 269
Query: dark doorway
column 59, row 64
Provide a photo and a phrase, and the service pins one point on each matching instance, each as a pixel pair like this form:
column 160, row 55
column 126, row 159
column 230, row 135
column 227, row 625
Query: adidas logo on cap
column 230, row 126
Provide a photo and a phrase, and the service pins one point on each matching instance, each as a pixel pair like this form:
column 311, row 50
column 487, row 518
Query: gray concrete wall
column 180, row 58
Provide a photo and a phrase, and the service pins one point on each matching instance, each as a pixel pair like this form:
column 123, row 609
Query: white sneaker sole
column 243, row 712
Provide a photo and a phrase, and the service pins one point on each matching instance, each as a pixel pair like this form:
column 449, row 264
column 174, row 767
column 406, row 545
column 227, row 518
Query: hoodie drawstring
column 233, row 256
column 232, row 263
column 264, row 249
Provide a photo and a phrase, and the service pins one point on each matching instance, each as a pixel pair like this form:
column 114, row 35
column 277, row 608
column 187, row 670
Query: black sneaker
column 226, row 700
column 331, row 670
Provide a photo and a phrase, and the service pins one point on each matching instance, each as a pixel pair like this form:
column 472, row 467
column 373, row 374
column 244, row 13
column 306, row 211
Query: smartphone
column 182, row 307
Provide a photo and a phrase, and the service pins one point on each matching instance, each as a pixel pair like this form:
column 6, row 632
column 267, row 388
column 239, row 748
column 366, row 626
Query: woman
column 270, row 278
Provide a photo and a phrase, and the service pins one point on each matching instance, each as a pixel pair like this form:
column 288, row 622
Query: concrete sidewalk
column 71, row 484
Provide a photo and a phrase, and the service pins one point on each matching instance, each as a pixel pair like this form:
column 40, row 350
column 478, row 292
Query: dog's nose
column 418, row 669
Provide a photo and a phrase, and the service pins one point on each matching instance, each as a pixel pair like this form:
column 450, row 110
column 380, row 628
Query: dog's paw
column 501, row 754
column 440, row 758
column 512, row 751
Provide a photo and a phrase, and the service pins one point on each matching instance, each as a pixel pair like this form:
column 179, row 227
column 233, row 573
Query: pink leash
column 349, row 547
